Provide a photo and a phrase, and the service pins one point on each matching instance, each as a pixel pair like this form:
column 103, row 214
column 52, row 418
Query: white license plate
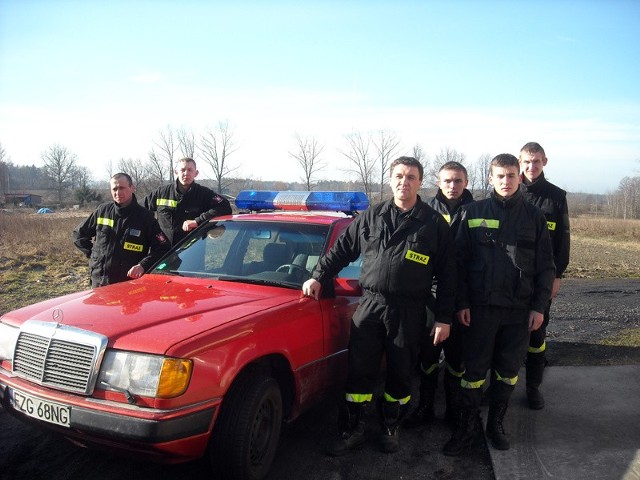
column 41, row 409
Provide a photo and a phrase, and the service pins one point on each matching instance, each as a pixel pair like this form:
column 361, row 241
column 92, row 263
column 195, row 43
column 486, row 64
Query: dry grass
column 38, row 259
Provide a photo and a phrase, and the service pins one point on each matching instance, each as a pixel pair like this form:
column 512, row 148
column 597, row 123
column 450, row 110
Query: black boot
column 495, row 430
column 350, row 427
column 451, row 387
column 423, row 414
column 465, row 433
column 390, row 419
column 534, row 371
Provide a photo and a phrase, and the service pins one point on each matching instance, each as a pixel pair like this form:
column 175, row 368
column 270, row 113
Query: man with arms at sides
column 185, row 204
column 505, row 276
column 452, row 194
column 404, row 244
column 552, row 201
column 122, row 239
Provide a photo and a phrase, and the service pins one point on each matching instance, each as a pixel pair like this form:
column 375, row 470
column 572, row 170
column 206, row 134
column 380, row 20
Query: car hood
column 156, row 311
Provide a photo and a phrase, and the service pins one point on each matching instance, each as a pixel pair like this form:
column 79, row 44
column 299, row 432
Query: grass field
column 38, row 259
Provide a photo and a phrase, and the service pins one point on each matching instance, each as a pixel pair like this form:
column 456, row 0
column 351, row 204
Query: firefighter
column 553, row 203
column 452, row 194
column 185, row 204
column 122, row 239
column 505, row 276
column 404, row 244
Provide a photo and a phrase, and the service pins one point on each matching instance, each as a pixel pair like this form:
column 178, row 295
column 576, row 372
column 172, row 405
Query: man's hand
column 135, row 272
column 189, row 225
column 440, row 332
column 464, row 316
column 556, row 288
column 311, row 288
column 535, row 320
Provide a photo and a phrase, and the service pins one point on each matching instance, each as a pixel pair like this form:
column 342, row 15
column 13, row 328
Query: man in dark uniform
column 505, row 276
column 404, row 244
column 553, row 203
column 185, row 204
column 128, row 239
column 451, row 196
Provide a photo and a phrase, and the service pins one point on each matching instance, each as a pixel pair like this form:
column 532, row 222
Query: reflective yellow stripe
column 483, row 222
column 471, row 385
column 134, row 247
column 430, row 369
column 401, row 401
column 416, row 257
column 453, row 372
column 105, row 221
column 447, row 217
column 167, row 202
column 551, row 225
column 358, row 397
column 540, row 349
column 508, row 381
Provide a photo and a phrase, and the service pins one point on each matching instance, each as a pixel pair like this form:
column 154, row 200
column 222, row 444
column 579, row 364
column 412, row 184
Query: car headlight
column 144, row 374
column 8, row 339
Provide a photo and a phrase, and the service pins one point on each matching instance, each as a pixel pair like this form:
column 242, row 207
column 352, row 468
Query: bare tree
column 216, row 146
column 157, row 170
column 447, row 154
column 386, row 145
column 59, row 167
column 359, row 156
column 187, row 142
column 479, row 176
column 4, row 172
column 167, row 150
column 307, row 157
column 138, row 171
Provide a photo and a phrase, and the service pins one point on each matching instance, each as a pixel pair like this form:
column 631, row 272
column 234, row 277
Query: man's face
column 186, row 173
column 452, row 183
column 505, row 180
column 405, row 183
column 121, row 191
column 532, row 164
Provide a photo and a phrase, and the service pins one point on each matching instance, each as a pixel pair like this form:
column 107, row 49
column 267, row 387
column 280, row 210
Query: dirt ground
column 594, row 322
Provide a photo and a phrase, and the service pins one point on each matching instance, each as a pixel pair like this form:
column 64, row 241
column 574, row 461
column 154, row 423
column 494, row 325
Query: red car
column 207, row 353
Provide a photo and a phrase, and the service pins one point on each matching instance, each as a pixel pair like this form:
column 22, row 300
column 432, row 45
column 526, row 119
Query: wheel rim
column 262, row 431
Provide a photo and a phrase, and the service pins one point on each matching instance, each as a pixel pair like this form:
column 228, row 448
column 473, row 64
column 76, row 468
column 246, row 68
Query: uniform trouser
column 536, row 354
column 452, row 347
column 380, row 328
column 496, row 339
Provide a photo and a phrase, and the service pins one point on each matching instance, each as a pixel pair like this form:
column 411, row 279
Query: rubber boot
column 465, row 434
column 350, row 427
column 534, row 372
column 390, row 419
column 495, row 430
column 423, row 414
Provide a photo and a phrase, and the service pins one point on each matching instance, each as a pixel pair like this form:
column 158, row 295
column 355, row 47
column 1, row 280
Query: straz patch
column 134, row 247
column 416, row 257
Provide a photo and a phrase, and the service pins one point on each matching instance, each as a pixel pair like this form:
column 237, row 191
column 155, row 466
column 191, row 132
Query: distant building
column 23, row 199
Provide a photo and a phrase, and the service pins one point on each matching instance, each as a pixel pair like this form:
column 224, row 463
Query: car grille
column 57, row 356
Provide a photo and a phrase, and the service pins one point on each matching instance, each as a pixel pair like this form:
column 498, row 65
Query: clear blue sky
column 103, row 78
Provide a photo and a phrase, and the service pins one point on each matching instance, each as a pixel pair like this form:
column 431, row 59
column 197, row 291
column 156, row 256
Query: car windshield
column 269, row 252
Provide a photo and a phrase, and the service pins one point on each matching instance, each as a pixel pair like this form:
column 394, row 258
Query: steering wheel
column 290, row 268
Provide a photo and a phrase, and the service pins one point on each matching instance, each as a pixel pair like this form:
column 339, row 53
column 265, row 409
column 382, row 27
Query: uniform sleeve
column 84, row 233
column 462, row 242
column 562, row 241
column 445, row 275
column 345, row 250
column 214, row 206
column 159, row 245
column 545, row 267
column 150, row 201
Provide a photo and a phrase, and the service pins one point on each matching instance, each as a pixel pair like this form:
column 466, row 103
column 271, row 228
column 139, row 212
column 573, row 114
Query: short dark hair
column 533, row 147
column 505, row 160
column 454, row 166
column 186, row 160
column 120, row 175
column 409, row 162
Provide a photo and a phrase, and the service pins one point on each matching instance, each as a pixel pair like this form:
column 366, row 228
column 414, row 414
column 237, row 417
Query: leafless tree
column 138, row 171
column 59, row 167
column 216, row 146
column 157, row 170
column 446, row 154
column 167, row 149
column 187, row 142
column 4, row 172
column 386, row 145
column 479, row 176
column 359, row 155
column 306, row 155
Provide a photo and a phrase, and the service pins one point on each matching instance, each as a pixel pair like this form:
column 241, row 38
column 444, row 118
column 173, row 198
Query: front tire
column 247, row 431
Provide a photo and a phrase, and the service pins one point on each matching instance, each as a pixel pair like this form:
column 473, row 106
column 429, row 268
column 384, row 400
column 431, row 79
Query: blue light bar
column 305, row 201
